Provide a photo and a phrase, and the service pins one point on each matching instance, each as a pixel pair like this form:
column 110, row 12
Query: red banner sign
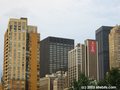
column 92, row 47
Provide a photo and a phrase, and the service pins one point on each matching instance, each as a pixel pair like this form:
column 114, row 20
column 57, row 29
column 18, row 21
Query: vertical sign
column 92, row 47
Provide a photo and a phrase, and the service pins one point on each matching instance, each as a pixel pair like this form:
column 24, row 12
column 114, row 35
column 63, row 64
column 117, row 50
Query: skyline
column 58, row 17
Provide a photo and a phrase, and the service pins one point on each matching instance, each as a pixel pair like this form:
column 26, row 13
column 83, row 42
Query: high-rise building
column 76, row 63
column 91, row 59
column 54, row 54
column 102, row 37
column 21, row 56
column 33, row 64
column 114, row 47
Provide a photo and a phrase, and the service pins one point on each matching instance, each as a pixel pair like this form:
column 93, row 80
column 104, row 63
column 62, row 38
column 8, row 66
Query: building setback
column 21, row 49
column 76, row 63
column 54, row 54
column 114, row 47
column 91, row 59
column 102, row 37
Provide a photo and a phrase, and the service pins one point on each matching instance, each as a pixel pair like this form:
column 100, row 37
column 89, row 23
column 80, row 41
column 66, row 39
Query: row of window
column 17, row 36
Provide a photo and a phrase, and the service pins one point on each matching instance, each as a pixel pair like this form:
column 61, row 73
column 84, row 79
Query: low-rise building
column 60, row 82
column 55, row 81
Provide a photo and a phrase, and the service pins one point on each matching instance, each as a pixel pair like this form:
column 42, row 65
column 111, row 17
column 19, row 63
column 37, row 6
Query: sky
column 75, row 19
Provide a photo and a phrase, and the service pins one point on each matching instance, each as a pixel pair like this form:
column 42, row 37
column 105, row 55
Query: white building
column 76, row 63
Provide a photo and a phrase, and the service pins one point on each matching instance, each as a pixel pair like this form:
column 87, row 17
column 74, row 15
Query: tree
column 102, row 83
column 113, row 78
column 82, row 81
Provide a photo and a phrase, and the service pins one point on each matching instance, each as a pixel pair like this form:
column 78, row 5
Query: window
column 23, row 25
column 15, row 27
column 15, row 36
column 19, row 36
column 10, row 27
column 23, row 36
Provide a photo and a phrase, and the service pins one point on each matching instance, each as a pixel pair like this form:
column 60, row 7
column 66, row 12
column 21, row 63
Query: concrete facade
column 19, row 61
column 114, row 47
column 76, row 63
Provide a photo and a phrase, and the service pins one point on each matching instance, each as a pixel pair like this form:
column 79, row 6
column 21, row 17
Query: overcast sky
column 75, row 19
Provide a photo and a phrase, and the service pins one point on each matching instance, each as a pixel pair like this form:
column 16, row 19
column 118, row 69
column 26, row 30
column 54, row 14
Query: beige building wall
column 45, row 83
column 114, row 47
column 21, row 47
column 1, row 86
column 15, row 53
column 59, row 83
column 34, row 59
column 76, row 63
column 55, row 81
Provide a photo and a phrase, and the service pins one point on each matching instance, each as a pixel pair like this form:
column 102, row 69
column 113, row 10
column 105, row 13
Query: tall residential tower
column 114, row 47
column 21, row 56
column 76, row 63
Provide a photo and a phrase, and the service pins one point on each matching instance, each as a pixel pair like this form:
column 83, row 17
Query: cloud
column 17, row 12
